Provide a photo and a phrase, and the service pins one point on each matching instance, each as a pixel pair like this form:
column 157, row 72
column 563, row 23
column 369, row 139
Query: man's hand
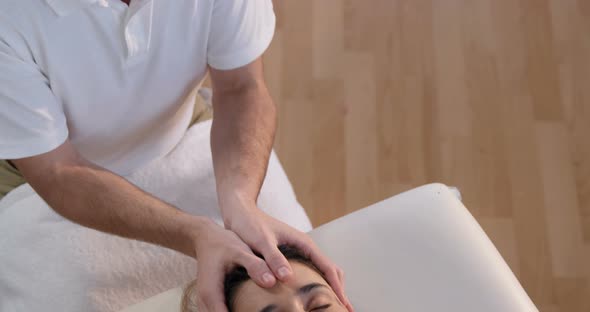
column 242, row 134
column 264, row 233
column 218, row 251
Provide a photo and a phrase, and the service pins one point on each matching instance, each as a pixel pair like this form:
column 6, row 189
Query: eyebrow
column 301, row 291
column 309, row 287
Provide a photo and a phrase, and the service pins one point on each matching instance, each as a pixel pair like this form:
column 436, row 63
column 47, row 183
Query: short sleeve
column 32, row 121
column 241, row 30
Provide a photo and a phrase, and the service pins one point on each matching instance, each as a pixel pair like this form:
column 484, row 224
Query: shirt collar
column 138, row 20
column 65, row 7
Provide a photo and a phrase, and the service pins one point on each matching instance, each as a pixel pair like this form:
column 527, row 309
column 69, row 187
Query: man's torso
column 123, row 74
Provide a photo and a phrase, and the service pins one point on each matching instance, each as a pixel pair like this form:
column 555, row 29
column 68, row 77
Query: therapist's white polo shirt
column 115, row 79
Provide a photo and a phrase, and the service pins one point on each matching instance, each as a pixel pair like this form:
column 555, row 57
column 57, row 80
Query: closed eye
column 325, row 306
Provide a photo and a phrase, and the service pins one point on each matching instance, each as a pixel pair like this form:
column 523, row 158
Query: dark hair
column 235, row 278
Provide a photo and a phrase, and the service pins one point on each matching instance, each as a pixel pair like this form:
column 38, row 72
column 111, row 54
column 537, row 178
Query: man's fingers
column 334, row 275
column 209, row 301
column 341, row 276
column 258, row 270
column 335, row 278
column 210, row 296
column 347, row 302
column 277, row 262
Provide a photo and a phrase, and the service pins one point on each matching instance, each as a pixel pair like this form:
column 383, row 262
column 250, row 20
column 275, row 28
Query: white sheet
column 50, row 264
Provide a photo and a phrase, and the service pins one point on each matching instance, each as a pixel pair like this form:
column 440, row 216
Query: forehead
column 251, row 297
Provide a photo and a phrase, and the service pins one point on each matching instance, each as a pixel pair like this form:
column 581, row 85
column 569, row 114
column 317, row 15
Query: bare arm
column 97, row 198
column 242, row 135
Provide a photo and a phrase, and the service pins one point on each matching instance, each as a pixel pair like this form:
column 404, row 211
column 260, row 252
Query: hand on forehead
column 306, row 291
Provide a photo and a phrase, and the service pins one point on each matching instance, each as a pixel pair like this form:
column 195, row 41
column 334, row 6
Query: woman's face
column 306, row 291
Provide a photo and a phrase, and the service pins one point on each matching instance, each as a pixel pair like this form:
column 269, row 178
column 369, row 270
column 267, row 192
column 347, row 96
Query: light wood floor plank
column 491, row 96
column 561, row 205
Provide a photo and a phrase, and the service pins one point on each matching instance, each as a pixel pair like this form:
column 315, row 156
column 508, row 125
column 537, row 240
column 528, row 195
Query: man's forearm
column 242, row 136
column 99, row 199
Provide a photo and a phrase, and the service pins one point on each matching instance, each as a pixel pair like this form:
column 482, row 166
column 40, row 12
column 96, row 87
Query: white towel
column 48, row 263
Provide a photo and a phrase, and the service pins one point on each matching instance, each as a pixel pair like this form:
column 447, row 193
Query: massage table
column 418, row 251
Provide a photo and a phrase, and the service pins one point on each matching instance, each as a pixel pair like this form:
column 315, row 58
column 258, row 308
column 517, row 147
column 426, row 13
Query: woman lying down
column 307, row 291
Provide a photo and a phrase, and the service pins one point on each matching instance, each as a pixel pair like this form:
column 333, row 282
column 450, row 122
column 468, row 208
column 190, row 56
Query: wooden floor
column 492, row 96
